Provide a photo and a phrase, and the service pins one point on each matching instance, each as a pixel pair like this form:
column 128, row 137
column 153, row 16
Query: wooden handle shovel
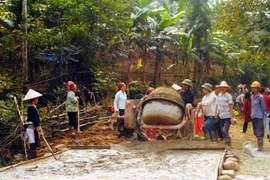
column 49, row 147
column 78, row 116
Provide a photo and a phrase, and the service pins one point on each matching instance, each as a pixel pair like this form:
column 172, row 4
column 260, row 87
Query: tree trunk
column 157, row 71
column 25, row 66
column 144, row 64
column 187, row 66
column 207, row 64
column 195, row 71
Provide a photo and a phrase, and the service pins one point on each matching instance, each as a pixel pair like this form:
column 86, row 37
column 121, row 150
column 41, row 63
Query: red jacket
column 247, row 110
column 267, row 102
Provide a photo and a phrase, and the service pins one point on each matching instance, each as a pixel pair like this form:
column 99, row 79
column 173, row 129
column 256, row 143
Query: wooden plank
column 197, row 148
column 220, row 164
column 27, row 162
column 171, row 145
column 89, row 147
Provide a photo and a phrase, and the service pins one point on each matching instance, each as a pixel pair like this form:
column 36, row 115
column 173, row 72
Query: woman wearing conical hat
column 32, row 124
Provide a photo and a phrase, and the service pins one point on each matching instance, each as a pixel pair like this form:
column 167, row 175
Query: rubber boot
column 227, row 141
column 207, row 136
column 214, row 136
column 32, row 154
column 260, row 144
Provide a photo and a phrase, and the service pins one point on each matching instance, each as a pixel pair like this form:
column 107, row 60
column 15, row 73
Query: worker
column 187, row 96
column 32, row 123
column 186, row 93
column 218, row 121
column 208, row 107
column 71, row 107
column 257, row 113
column 120, row 99
column 225, row 111
column 119, row 107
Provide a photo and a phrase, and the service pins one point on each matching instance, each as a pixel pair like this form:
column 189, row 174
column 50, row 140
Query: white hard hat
column 31, row 94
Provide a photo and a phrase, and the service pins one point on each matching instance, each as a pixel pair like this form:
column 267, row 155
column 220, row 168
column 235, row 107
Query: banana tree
column 199, row 26
column 156, row 17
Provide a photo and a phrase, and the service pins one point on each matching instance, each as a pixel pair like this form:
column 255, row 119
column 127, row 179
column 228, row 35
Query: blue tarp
column 51, row 57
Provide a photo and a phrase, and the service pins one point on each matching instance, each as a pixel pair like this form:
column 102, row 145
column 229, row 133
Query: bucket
column 198, row 125
column 151, row 133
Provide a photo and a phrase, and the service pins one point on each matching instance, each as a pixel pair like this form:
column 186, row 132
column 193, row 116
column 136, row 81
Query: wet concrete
column 162, row 160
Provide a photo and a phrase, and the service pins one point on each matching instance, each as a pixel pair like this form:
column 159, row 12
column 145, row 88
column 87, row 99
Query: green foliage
column 105, row 85
column 6, row 23
column 7, row 113
column 246, row 28
column 5, row 82
column 60, row 93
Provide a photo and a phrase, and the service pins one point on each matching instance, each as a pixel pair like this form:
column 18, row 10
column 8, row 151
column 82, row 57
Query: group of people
column 239, row 96
column 218, row 107
column 32, row 124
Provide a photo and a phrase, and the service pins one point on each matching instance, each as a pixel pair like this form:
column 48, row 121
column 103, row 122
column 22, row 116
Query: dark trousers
column 258, row 127
column 245, row 126
column 219, row 128
column 225, row 126
column 208, row 125
column 72, row 117
column 121, row 112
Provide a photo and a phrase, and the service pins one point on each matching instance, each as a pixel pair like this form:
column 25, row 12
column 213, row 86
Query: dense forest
column 96, row 43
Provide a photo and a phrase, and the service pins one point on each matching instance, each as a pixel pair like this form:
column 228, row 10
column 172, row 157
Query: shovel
column 49, row 147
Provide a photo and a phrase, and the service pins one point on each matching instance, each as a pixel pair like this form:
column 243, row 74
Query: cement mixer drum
column 163, row 106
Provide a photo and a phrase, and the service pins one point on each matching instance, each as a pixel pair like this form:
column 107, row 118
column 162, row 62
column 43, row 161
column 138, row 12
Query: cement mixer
column 162, row 109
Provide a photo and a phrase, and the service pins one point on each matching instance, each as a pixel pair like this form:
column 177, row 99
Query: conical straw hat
column 31, row 94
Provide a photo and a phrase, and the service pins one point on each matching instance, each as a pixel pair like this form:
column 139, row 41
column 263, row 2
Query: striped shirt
column 223, row 102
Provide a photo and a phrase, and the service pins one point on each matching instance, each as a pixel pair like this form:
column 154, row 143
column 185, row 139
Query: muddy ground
column 253, row 163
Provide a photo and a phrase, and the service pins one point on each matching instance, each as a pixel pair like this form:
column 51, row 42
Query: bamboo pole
column 78, row 114
column 22, row 122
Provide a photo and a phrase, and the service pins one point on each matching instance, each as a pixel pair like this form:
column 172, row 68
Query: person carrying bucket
column 32, row 123
column 208, row 107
